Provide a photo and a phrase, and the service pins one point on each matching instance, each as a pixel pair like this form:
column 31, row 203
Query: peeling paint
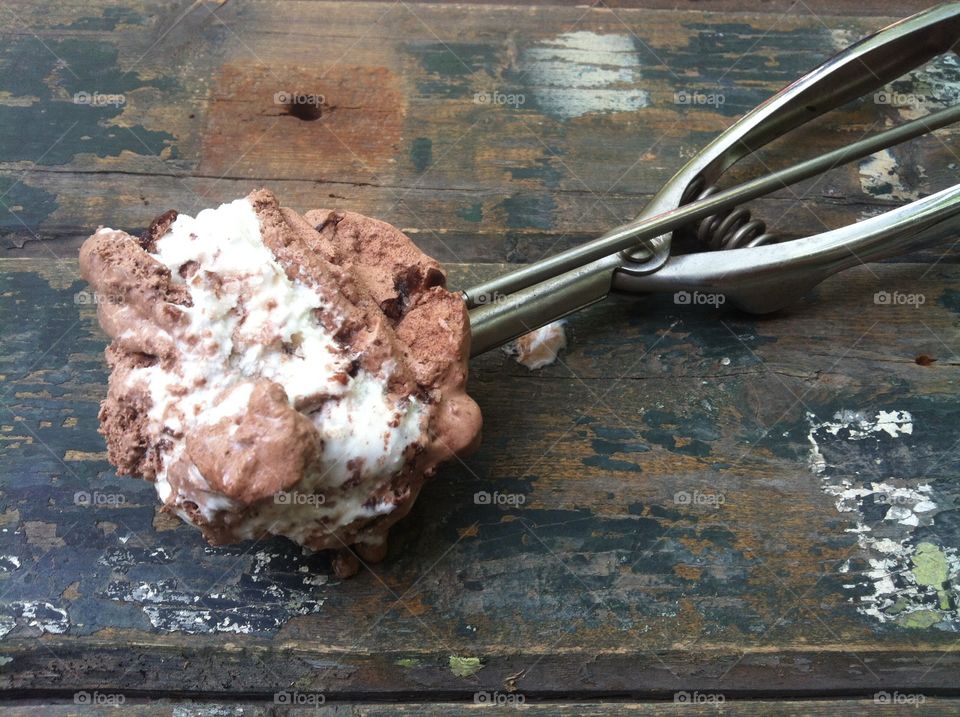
column 465, row 666
column 173, row 605
column 40, row 615
column 9, row 563
column 856, row 426
column 900, row 579
column 579, row 73
column 197, row 710
column 880, row 177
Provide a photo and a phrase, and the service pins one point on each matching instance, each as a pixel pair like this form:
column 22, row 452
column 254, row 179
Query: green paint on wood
column 108, row 20
column 465, row 666
column 454, row 59
column 451, row 67
column 69, row 91
column 529, row 210
column 930, row 565
column 23, row 208
column 950, row 299
column 421, row 152
column 779, row 56
column 615, row 442
column 920, row 620
column 930, row 568
column 473, row 213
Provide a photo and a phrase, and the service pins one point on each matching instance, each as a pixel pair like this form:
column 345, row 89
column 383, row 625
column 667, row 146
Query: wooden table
column 699, row 505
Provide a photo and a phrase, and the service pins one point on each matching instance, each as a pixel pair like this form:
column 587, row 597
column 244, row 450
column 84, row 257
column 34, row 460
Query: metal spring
column 729, row 229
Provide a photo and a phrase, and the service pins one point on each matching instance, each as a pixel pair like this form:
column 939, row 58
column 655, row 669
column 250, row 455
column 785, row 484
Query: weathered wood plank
column 677, row 514
column 812, row 708
column 484, row 143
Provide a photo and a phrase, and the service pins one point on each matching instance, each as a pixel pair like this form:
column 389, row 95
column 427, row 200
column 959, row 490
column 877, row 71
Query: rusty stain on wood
column 283, row 121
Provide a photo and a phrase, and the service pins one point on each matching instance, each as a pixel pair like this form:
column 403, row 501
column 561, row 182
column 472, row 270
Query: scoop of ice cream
column 281, row 375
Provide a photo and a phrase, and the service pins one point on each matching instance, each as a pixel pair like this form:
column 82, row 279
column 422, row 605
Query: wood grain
column 405, row 133
column 788, row 708
column 596, row 580
column 687, row 501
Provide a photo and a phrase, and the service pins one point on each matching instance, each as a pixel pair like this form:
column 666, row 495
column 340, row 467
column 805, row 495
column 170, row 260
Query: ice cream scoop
column 275, row 374
column 696, row 240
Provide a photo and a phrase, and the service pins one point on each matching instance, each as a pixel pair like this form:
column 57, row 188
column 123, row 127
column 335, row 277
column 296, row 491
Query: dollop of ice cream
column 275, row 374
column 540, row 347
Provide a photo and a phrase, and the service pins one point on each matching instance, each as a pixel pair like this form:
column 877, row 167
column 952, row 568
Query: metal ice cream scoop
column 756, row 272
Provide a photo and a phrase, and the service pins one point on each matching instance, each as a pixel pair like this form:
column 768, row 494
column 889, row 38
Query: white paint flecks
column 933, row 87
column 880, row 177
column 40, row 615
column 578, row 73
column 856, row 426
column 896, row 585
column 9, row 563
column 843, row 38
column 279, row 579
column 900, row 590
column 906, row 506
column 195, row 710
column 46, row 617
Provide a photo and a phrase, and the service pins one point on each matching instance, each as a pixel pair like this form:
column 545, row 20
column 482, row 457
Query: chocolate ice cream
column 275, row 374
